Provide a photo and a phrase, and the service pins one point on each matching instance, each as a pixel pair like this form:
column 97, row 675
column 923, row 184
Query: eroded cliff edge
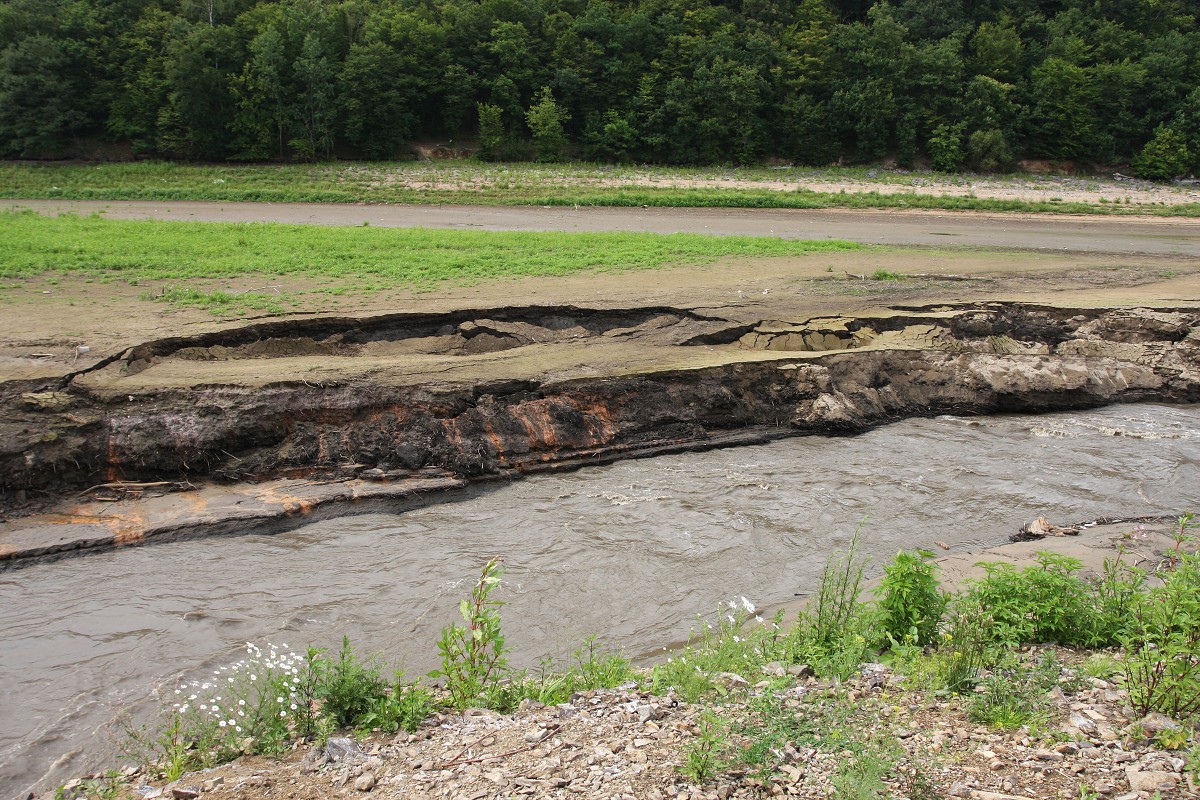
column 417, row 402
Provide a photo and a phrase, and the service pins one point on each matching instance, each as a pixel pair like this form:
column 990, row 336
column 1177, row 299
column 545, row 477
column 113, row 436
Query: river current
column 632, row 551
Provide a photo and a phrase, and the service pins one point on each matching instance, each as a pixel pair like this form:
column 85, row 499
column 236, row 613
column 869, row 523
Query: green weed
column 475, row 656
column 218, row 302
column 861, row 776
column 964, row 650
column 909, row 599
column 705, row 756
column 730, row 643
column 1014, row 696
column 1162, row 665
column 347, row 688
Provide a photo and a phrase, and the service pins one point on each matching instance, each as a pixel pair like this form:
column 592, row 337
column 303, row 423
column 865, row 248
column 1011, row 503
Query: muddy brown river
column 634, row 551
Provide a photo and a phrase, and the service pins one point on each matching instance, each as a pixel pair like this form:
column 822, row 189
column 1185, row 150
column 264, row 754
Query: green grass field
column 472, row 182
column 359, row 258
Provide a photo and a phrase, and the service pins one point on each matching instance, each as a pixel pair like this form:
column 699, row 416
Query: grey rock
column 185, row 792
column 213, row 783
column 1155, row 722
column 537, row 735
column 1150, row 780
column 1082, row 724
column 647, row 712
column 314, row 760
column 342, row 748
column 731, row 680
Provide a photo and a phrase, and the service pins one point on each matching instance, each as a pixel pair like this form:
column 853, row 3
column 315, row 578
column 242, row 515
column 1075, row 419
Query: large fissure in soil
column 763, row 379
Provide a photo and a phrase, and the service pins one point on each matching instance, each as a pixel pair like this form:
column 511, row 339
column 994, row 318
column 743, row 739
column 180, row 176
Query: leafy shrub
column 1049, row 602
column 909, row 600
column 1162, row 665
column 346, row 688
column 945, row 147
column 403, row 705
column 987, row 151
column 1164, row 157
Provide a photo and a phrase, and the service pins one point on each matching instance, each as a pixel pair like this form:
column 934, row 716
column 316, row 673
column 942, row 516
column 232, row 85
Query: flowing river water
column 633, row 551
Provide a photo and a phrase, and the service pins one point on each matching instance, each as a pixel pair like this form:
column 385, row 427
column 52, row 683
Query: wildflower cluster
column 249, row 705
column 729, row 643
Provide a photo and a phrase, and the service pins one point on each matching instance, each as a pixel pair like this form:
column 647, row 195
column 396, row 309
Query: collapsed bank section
column 499, row 392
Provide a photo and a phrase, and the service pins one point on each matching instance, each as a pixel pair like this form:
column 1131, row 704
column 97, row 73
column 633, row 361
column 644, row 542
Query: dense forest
column 950, row 83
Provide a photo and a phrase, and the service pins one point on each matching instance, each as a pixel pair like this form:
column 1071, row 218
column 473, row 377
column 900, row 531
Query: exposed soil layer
column 119, row 430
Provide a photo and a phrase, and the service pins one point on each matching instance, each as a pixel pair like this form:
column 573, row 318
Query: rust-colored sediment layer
column 292, row 448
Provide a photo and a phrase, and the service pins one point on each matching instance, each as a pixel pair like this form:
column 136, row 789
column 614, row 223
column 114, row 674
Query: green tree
column 378, row 98
column 1062, row 121
column 1164, row 157
column 40, row 98
column 610, row 137
column 987, row 151
column 545, row 119
column 491, row 132
column 997, row 50
column 139, row 80
column 315, row 76
column 262, row 119
column 195, row 120
column 945, row 147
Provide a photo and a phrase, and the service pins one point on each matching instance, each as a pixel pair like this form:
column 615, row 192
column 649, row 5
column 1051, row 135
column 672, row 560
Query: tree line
column 952, row 83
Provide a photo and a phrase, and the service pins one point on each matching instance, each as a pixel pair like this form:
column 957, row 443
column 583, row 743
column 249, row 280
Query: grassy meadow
column 358, row 258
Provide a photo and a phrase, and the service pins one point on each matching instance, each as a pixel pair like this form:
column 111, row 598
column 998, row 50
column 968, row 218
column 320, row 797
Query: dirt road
column 1141, row 235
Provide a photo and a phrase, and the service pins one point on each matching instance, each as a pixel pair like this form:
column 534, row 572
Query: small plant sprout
column 1181, row 535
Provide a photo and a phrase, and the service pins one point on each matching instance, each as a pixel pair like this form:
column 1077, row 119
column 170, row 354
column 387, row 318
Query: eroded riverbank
column 634, row 550
column 554, row 388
